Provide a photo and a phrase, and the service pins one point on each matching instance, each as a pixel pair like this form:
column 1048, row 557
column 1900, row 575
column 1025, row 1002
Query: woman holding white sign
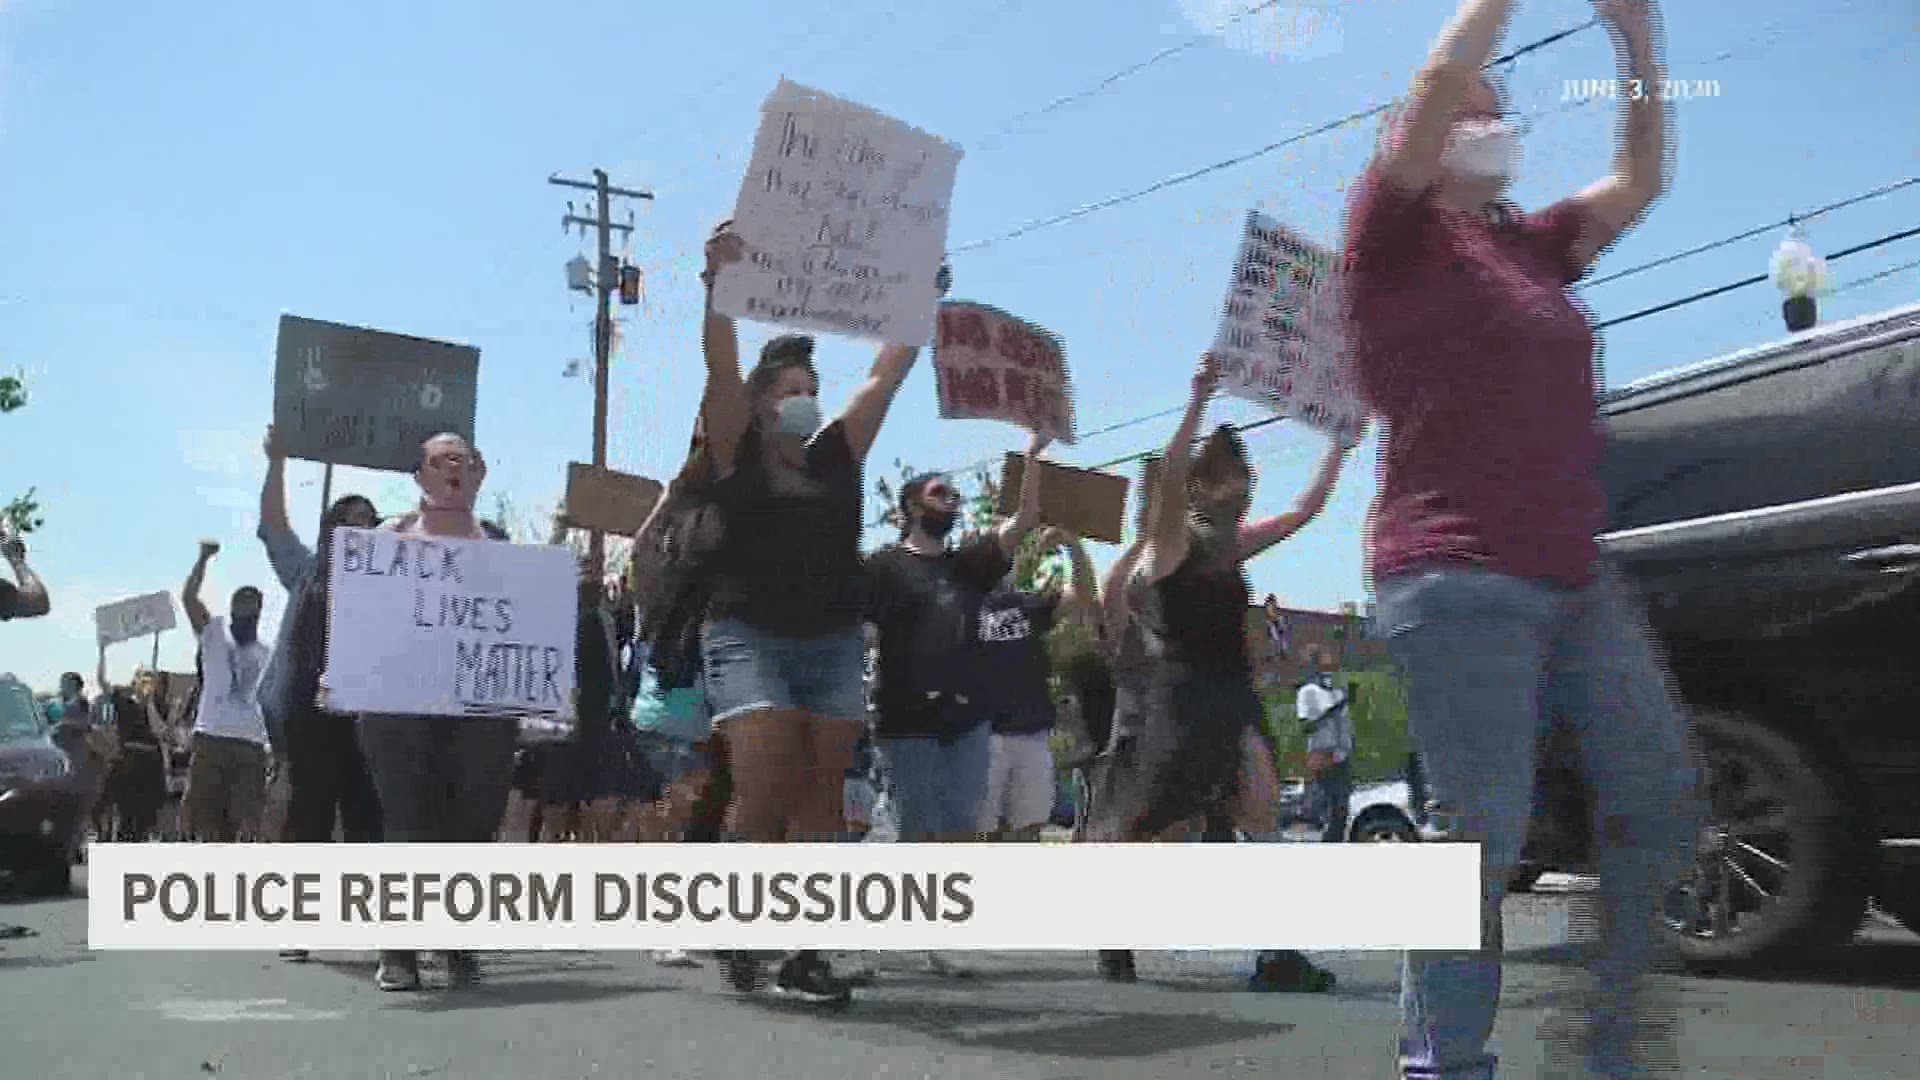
column 441, row 779
column 782, row 643
column 1482, row 547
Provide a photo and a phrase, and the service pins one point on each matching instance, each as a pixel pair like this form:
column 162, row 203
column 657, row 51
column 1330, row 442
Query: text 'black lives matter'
column 493, row 673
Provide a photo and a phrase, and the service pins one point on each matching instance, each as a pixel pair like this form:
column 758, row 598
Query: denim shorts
column 749, row 670
column 679, row 761
column 937, row 786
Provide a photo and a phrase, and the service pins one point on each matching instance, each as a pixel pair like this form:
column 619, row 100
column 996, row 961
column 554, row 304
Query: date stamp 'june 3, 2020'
column 1639, row 89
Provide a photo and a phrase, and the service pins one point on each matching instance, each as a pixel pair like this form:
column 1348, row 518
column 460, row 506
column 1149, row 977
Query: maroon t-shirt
column 1471, row 351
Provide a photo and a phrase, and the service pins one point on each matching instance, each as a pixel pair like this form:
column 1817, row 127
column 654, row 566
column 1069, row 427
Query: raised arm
column 868, row 409
column 1026, row 513
column 31, row 599
column 1168, row 533
column 1260, row 535
column 197, row 614
column 1113, row 590
column 1082, row 595
column 1616, row 203
column 724, row 406
column 290, row 559
column 1411, row 161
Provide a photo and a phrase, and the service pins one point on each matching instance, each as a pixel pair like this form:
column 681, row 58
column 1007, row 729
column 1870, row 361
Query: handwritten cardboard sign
column 610, row 501
column 1282, row 341
column 989, row 365
column 441, row 627
column 134, row 617
column 350, row 396
column 843, row 212
column 1091, row 505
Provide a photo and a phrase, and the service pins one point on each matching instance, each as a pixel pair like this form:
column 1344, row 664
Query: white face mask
column 1482, row 150
column 798, row 415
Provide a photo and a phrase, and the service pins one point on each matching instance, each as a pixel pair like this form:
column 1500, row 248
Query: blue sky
column 178, row 175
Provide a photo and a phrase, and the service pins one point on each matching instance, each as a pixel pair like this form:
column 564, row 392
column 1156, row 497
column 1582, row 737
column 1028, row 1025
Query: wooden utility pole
column 606, row 278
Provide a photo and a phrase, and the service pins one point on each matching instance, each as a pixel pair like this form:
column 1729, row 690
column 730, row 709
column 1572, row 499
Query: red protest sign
column 992, row 366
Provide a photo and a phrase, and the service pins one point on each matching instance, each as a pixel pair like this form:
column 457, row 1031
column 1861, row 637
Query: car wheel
column 48, row 873
column 1781, row 867
column 1382, row 827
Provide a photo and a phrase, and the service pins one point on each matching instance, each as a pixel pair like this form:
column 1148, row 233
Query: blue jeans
column 1490, row 661
column 937, row 786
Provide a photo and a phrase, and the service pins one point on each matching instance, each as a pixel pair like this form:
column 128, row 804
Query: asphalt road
column 1026, row 1016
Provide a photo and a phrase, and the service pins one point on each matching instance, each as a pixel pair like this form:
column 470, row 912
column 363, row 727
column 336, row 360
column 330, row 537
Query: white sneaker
column 675, row 958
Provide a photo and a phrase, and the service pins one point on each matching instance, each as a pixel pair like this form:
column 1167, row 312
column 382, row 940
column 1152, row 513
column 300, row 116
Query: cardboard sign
column 844, row 215
column 135, row 617
column 1282, row 339
column 610, row 501
column 989, row 365
column 1091, row 505
column 431, row 626
column 348, row 396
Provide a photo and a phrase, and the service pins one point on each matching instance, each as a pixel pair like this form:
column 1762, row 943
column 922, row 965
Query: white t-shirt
column 230, row 685
column 1326, row 732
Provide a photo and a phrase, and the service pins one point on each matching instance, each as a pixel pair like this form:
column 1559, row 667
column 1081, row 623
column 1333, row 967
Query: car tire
column 48, row 874
column 1382, row 827
column 1811, row 851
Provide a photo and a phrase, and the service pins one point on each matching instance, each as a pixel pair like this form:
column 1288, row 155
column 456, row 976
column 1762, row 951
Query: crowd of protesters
column 798, row 689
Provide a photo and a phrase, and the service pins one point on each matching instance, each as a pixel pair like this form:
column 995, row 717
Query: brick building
column 1349, row 634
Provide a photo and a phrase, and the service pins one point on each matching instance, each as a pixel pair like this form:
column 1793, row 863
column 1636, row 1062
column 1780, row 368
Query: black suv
column 1768, row 505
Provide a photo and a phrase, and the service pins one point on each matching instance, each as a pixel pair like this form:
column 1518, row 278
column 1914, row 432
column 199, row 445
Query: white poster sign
column 135, row 617
column 441, row 627
column 844, row 216
column 1282, row 339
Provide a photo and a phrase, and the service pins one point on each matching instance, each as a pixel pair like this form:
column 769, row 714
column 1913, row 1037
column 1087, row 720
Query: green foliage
column 22, row 514
column 1380, row 742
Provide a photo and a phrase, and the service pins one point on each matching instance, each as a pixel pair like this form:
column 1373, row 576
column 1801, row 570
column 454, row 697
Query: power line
column 1241, row 159
column 1871, row 278
column 1707, row 294
column 1130, row 70
column 1695, row 298
column 1790, row 220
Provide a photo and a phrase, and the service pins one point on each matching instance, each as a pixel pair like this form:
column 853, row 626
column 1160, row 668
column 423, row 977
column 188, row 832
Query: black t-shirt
column 1011, row 666
column 789, row 561
column 9, row 601
column 1200, row 619
column 1089, row 678
column 924, row 608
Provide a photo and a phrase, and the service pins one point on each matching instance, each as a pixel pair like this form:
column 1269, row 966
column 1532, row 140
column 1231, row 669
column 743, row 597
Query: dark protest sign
column 432, row 626
column 993, row 366
column 610, row 501
column 1091, row 505
column 350, row 396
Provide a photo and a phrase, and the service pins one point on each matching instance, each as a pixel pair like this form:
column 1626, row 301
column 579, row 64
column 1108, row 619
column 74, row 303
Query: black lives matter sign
column 439, row 627
column 346, row 395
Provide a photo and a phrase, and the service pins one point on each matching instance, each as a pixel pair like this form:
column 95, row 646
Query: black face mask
column 939, row 523
column 247, row 630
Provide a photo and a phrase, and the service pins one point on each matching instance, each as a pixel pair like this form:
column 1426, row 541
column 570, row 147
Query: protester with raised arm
column 782, row 638
column 227, row 777
column 327, row 777
column 1480, row 365
column 24, row 597
column 440, row 779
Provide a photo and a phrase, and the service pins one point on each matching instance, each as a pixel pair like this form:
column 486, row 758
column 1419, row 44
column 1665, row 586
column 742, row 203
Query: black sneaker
column 1116, row 965
column 1289, row 973
column 743, row 971
column 810, row 978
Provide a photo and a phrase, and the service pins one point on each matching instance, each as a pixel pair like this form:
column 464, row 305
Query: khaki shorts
column 226, row 787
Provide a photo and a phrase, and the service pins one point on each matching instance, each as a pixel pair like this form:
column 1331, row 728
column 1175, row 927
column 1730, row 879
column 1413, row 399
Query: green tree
column 22, row 514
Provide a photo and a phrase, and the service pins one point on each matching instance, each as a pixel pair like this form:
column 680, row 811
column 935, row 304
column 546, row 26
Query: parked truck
column 1768, row 506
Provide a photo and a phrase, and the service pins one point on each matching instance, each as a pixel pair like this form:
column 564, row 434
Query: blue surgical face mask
column 798, row 415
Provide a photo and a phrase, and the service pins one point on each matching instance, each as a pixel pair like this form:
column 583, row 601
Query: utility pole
column 605, row 278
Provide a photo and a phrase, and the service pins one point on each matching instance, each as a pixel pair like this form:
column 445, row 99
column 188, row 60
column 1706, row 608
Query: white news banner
column 783, row 896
